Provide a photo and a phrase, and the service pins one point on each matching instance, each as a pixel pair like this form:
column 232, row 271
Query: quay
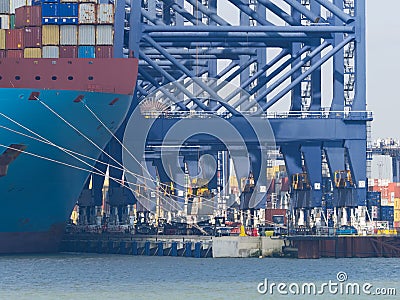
column 300, row 246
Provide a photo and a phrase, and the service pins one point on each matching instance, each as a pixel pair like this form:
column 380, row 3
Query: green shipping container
column 12, row 21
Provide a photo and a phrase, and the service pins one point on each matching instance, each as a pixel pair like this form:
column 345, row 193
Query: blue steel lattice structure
column 276, row 53
column 178, row 39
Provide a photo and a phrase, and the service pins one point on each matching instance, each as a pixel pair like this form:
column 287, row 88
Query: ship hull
column 40, row 185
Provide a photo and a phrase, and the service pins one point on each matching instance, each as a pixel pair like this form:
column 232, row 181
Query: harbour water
column 91, row 276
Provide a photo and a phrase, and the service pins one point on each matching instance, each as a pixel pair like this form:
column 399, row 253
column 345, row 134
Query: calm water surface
column 87, row 276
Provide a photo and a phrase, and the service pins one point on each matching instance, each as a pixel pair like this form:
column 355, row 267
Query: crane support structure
column 299, row 63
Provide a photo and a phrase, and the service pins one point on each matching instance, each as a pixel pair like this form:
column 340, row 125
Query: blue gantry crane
column 305, row 58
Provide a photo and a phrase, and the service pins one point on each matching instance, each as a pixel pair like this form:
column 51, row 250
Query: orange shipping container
column 384, row 191
column 394, row 187
column 396, row 215
column 396, row 203
column 396, row 224
column 14, row 39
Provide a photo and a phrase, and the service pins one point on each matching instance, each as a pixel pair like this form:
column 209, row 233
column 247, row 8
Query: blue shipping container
column 373, row 199
column 46, row 20
column 65, row 20
column 373, row 195
column 86, row 52
column 50, row 10
column 387, row 213
column 50, row 1
column 68, row 9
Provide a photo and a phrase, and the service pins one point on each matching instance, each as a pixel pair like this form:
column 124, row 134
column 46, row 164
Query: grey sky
column 383, row 46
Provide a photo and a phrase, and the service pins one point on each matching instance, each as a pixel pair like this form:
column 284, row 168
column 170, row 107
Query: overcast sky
column 383, row 64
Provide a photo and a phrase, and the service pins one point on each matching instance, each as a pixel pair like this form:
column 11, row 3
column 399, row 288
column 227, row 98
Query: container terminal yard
column 248, row 134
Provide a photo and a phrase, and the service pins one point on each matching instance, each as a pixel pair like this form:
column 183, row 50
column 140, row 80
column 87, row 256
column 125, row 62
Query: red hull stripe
column 114, row 101
column 34, row 96
column 79, row 98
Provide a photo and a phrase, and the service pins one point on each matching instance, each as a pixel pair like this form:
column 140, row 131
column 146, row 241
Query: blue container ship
column 39, row 180
column 54, row 113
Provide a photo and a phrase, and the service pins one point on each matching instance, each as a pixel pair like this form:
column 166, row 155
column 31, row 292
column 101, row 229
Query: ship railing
column 323, row 114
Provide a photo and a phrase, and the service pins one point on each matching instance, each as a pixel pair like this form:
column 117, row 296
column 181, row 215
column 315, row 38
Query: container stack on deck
column 53, row 29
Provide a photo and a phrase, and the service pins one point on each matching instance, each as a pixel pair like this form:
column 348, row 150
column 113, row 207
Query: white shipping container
column 69, row 1
column 104, row 35
column 384, row 202
column 87, row 13
column 105, row 13
column 4, row 22
column 4, row 6
column 15, row 4
column 88, row 1
column 87, row 35
column 51, row 52
column 69, row 35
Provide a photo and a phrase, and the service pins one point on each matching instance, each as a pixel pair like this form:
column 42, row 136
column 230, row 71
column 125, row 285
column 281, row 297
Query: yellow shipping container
column 396, row 203
column 50, row 35
column 2, row 39
column 32, row 52
column 397, row 215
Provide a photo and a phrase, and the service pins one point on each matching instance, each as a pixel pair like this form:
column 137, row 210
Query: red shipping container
column 68, row 51
column 28, row 16
column 15, row 53
column 2, row 53
column 285, row 184
column 271, row 212
column 104, row 52
column 32, row 37
column 394, row 187
column 14, row 39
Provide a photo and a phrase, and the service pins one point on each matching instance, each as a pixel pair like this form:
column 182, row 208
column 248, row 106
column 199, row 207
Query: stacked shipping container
column 56, row 28
column 396, row 217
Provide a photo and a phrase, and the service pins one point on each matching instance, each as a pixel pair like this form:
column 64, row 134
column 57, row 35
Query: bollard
column 188, row 249
column 197, row 249
column 134, row 248
column 174, row 249
column 147, row 248
column 160, row 249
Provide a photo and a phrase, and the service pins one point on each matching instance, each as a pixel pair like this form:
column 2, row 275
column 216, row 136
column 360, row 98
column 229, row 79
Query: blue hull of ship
column 37, row 195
